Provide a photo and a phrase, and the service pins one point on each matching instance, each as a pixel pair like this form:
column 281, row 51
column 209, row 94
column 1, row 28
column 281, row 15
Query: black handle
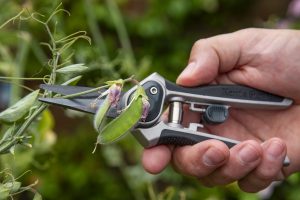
column 183, row 138
column 171, row 137
column 234, row 95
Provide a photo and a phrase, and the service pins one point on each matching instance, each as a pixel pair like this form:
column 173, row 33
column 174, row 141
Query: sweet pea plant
column 17, row 119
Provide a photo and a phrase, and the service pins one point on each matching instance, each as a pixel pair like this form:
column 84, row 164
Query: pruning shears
column 213, row 102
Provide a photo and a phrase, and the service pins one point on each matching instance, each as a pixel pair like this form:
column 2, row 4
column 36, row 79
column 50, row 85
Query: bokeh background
column 129, row 37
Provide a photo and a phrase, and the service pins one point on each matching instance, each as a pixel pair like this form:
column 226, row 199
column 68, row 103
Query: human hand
column 263, row 59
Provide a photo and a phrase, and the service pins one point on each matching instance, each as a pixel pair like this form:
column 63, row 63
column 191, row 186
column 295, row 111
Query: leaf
column 8, row 134
column 72, row 81
column 100, row 114
column 125, row 121
column 19, row 109
column 4, row 192
column 76, row 68
column 13, row 186
column 37, row 196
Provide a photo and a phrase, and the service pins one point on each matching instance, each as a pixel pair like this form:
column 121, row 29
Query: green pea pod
column 75, row 68
column 100, row 114
column 125, row 121
column 19, row 109
column 72, row 81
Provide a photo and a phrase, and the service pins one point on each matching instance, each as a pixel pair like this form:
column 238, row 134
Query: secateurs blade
column 213, row 102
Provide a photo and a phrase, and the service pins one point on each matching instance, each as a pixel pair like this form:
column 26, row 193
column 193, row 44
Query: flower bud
column 114, row 94
column 146, row 108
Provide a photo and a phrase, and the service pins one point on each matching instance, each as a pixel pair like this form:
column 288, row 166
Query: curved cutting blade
column 82, row 104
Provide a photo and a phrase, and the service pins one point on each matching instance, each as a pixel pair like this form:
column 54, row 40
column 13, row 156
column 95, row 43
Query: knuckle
column 199, row 43
column 247, row 31
column 225, row 177
column 186, row 164
column 278, row 140
column 177, row 164
column 266, row 174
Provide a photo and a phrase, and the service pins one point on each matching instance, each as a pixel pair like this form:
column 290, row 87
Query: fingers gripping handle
column 232, row 95
column 167, row 134
column 171, row 137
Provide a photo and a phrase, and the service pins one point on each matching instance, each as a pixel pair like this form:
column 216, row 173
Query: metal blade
column 87, row 105
column 67, row 90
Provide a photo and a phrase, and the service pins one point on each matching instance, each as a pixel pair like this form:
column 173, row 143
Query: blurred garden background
column 128, row 37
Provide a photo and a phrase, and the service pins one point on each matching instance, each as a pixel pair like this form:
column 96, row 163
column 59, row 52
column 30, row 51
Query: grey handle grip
column 232, row 95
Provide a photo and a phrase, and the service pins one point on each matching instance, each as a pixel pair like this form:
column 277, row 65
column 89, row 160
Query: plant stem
column 130, row 79
column 51, row 36
column 121, row 30
column 151, row 192
column 4, row 147
column 95, row 30
column 12, row 19
column 20, row 78
column 54, row 67
column 85, row 92
column 18, row 71
column 22, row 86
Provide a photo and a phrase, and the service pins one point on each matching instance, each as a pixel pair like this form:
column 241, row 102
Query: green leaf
column 37, row 196
column 8, row 134
column 72, row 81
column 76, row 68
column 4, row 192
column 19, row 109
column 12, row 186
column 125, row 121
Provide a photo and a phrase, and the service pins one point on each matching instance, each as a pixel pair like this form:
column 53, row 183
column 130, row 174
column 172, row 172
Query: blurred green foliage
column 128, row 37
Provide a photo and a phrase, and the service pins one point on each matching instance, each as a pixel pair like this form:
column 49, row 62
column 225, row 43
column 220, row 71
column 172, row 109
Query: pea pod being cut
column 112, row 98
column 100, row 114
column 125, row 121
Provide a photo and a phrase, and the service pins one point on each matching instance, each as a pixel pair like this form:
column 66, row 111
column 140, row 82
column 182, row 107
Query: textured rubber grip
column 226, row 91
column 170, row 137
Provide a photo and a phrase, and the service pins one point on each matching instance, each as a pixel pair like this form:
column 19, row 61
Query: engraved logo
column 244, row 93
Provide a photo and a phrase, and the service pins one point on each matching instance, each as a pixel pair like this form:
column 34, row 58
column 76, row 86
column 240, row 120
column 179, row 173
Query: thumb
column 210, row 57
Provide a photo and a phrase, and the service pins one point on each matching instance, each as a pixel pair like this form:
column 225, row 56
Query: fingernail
column 275, row 149
column 248, row 154
column 188, row 70
column 213, row 157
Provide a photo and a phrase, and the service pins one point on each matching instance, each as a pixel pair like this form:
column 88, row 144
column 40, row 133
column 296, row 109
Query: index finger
column 211, row 56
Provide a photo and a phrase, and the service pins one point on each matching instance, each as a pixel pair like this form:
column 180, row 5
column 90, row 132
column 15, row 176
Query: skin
column 264, row 59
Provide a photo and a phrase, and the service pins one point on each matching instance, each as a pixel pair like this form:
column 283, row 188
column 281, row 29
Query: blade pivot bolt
column 153, row 90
